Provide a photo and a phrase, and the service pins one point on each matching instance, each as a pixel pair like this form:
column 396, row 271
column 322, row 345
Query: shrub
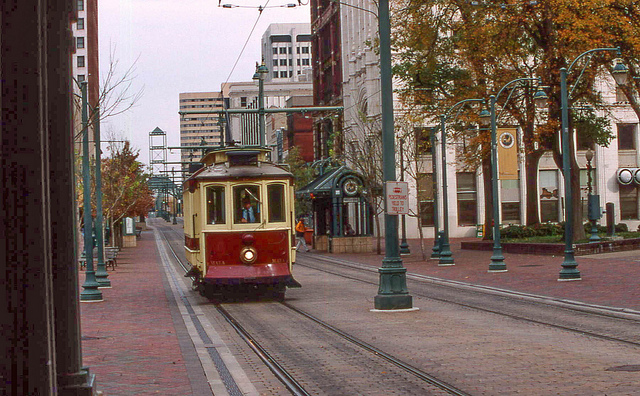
column 541, row 229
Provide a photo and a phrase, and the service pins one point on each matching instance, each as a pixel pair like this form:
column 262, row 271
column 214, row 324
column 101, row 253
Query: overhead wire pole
column 392, row 290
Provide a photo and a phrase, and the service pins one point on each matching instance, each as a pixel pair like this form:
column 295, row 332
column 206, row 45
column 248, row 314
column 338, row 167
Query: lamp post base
column 569, row 271
column 393, row 293
column 404, row 249
column 446, row 258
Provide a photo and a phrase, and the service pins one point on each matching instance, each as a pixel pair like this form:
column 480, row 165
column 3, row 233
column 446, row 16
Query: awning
column 328, row 184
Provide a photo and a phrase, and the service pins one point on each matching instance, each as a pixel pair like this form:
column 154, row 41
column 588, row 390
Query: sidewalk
column 610, row 279
column 129, row 340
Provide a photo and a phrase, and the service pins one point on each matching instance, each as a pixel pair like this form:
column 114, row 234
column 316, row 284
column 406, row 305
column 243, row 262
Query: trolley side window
column 275, row 195
column 246, row 203
column 215, row 205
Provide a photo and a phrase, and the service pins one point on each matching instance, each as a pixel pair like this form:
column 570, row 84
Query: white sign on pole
column 397, row 196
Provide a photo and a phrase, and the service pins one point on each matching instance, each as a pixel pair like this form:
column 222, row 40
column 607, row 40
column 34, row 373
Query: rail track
column 280, row 371
column 514, row 305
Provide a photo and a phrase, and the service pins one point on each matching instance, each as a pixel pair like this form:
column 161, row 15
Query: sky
column 179, row 46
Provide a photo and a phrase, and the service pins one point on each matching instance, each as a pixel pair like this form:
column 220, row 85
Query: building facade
column 196, row 128
column 286, row 50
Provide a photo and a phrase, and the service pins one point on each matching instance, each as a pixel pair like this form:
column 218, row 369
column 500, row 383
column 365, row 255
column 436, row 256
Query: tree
column 452, row 50
column 125, row 187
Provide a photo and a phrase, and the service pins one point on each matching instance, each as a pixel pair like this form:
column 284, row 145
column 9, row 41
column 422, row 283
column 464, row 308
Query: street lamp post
column 593, row 200
column 569, row 269
column 259, row 76
column 497, row 258
column 90, row 285
column 435, row 251
column 102, row 277
column 392, row 290
column 446, row 258
column 404, row 246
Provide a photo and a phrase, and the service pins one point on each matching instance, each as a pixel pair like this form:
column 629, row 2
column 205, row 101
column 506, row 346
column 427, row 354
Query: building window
column 548, row 184
column 626, row 136
column 305, row 50
column 283, row 74
column 510, row 201
column 80, row 61
column 305, row 62
column 275, row 50
column 283, row 62
column 297, row 50
column 298, row 61
column 80, row 24
column 425, row 198
column 467, row 207
column 283, row 50
column 628, row 202
column 79, row 42
column 80, row 5
column 275, row 74
column 243, row 101
column 275, row 62
column 81, row 77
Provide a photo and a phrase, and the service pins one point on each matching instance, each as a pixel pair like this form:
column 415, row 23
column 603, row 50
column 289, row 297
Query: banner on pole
column 507, row 154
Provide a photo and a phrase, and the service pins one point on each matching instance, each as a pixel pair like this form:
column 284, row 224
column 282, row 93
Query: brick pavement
column 129, row 340
column 609, row 279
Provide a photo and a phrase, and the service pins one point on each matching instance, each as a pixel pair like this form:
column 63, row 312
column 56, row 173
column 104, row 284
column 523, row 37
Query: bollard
column 611, row 221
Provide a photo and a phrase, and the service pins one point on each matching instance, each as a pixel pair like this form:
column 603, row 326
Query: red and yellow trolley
column 238, row 224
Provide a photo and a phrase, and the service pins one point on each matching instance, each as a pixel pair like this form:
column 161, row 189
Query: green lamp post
column 259, row 76
column 446, row 257
column 435, row 250
column 404, row 246
column 497, row 258
column 392, row 290
column 90, row 285
column 102, row 277
column 569, row 269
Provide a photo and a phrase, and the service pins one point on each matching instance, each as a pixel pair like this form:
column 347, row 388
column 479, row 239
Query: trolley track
column 281, row 372
column 627, row 319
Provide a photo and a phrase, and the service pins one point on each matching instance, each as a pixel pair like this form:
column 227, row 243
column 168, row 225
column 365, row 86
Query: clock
column 350, row 187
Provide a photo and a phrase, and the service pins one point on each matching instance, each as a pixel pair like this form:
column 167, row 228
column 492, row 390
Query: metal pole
column 90, row 286
column 569, row 269
column 404, row 246
column 101, row 272
column 497, row 258
column 435, row 251
column 446, row 258
column 392, row 290
column 261, row 113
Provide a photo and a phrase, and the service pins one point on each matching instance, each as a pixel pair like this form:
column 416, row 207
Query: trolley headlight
column 248, row 255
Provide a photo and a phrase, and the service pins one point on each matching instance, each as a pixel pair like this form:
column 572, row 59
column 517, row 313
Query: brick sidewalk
column 609, row 279
column 129, row 340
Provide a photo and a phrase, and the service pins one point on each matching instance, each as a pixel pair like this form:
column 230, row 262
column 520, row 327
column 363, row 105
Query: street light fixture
column 569, row 269
column 489, row 118
column 446, row 258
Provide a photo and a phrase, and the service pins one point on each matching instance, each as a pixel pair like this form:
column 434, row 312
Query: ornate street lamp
column 569, row 269
column 445, row 249
column 489, row 118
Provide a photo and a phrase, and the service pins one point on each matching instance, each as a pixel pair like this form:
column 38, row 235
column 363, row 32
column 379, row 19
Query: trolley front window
column 215, row 205
column 246, row 203
column 275, row 194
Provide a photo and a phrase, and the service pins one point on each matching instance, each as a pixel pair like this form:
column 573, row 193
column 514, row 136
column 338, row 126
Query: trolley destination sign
column 397, row 196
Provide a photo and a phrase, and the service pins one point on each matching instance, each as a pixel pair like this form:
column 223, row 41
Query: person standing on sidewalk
column 300, row 229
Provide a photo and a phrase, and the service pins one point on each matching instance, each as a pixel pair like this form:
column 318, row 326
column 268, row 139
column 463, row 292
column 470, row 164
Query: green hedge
column 550, row 229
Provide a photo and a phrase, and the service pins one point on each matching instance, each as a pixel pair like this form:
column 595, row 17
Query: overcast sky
column 181, row 46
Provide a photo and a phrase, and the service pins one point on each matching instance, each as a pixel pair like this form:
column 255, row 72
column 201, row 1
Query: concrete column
column 26, row 312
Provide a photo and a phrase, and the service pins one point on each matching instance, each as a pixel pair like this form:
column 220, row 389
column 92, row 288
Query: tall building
column 286, row 50
column 84, row 64
column 196, row 128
